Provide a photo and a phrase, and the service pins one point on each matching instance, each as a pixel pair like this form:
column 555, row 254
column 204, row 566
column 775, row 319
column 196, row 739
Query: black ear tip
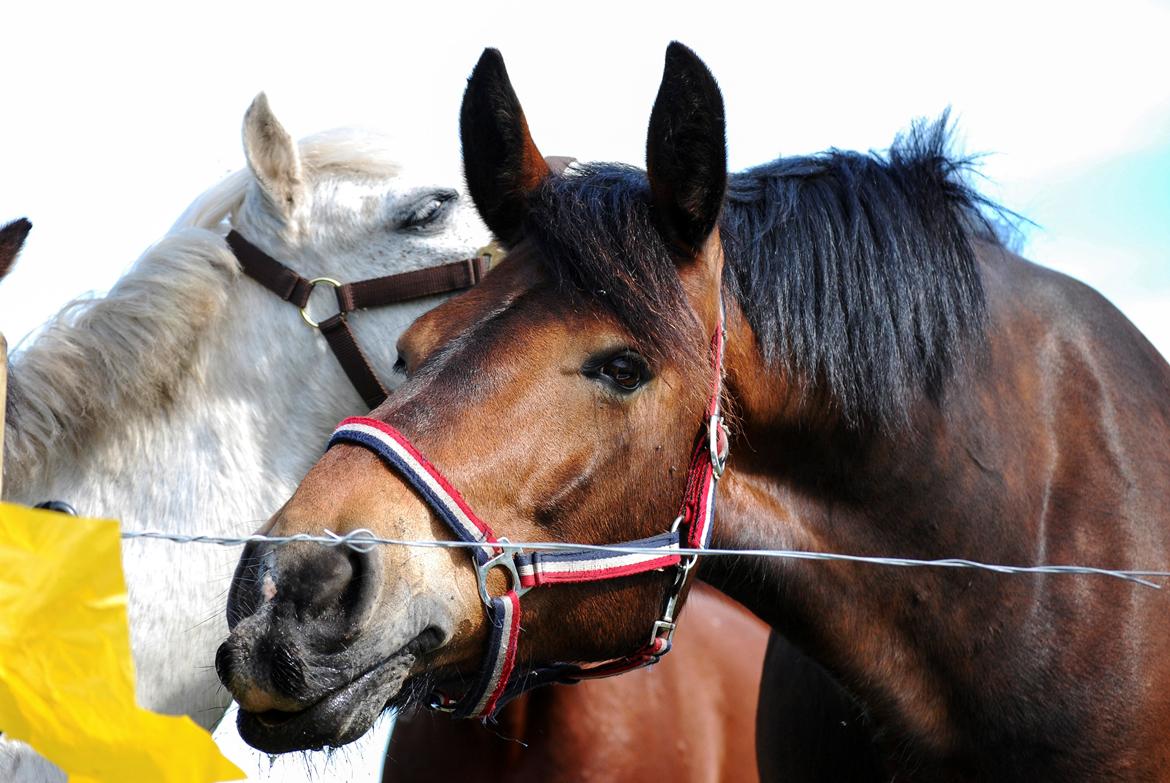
column 677, row 53
column 18, row 228
column 491, row 63
column 680, row 57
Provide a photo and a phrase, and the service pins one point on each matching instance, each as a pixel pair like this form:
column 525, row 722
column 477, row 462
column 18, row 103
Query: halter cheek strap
column 498, row 681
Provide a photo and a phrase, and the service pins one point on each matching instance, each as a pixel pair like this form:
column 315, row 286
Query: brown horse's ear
column 686, row 151
column 11, row 240
column 500, row 161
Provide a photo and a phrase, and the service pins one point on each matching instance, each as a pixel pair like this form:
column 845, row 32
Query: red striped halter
column 495, row 684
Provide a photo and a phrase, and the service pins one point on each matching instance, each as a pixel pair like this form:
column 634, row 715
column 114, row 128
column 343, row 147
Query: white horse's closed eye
column 191, row 399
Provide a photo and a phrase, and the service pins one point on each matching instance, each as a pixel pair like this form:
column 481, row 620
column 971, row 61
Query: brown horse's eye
column 625, row 371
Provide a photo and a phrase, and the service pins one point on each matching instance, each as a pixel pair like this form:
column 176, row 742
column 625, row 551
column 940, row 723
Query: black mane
column 855, row 271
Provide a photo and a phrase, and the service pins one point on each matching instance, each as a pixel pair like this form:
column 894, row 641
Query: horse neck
column 799, row 479
column 1047, row 447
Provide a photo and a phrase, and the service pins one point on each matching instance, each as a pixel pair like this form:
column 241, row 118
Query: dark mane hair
column 856, row 272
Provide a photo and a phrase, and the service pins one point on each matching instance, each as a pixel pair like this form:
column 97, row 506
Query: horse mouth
column 337, row 718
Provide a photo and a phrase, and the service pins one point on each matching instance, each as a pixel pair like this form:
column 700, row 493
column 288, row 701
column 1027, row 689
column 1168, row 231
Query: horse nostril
column 329, row 590
column 243, row 600
column 224, row 663
column 359, row 594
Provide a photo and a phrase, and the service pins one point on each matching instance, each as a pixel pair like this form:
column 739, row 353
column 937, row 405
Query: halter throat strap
column 375, row 292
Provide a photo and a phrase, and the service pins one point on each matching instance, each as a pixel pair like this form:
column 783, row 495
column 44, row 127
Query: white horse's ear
column 272, row 156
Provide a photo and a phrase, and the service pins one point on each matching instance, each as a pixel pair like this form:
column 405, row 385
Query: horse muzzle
column 306, row 664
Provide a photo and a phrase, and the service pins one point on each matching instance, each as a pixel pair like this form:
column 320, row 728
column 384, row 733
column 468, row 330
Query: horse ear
column 500, row 161
column 686, row 151
column 11, row 240
column 272, row 156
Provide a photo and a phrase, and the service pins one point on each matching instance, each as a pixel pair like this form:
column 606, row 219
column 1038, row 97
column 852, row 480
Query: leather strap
column 381, row 291
column 375, row 292
column 269, row 272
column 356, row 364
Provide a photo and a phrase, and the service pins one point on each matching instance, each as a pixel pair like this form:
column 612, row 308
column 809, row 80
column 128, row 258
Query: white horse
column 193, row 400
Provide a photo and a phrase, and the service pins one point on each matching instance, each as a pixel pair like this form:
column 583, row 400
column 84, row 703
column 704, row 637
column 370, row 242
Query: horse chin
column 338, row 718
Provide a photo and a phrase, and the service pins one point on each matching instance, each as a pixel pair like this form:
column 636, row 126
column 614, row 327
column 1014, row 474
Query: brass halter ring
column 329, row 281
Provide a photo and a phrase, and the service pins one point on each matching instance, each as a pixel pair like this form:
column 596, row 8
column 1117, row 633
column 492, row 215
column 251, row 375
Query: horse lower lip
column 338, row 718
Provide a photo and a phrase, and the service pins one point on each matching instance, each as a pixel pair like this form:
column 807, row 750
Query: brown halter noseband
column 376, row 292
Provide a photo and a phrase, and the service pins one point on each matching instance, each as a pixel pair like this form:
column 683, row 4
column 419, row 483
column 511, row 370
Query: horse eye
column 427, row 212
column 399, row 365
column 626, row 371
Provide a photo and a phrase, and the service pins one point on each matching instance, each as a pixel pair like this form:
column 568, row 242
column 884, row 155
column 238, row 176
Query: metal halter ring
column 329, row 281
column 505, row 560
column 715, row 428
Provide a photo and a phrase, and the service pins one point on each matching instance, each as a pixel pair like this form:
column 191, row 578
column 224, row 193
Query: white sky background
column 116, row 117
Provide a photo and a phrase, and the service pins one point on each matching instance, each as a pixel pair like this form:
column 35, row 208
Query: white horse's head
column 184, row 324
column 340, row 204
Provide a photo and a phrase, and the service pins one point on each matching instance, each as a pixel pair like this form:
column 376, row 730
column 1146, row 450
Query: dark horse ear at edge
column 686, row 151
column 12, row 238
column 500, row 162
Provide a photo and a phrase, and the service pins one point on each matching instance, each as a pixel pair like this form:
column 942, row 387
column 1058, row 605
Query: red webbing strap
column 575, row 566
column 707, row 457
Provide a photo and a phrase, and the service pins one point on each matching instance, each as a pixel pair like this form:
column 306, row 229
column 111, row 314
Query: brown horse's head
column 562, row 397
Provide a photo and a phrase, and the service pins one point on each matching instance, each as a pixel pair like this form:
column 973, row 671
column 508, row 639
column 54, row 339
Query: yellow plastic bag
column 66, row 676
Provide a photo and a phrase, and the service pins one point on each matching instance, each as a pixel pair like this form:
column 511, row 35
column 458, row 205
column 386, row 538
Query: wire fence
column 364, row 540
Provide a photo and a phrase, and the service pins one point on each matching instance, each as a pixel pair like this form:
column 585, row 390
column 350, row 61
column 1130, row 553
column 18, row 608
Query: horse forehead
column 350, row 198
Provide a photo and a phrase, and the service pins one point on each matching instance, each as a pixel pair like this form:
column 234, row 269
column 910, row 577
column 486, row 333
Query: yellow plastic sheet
column 66, row 676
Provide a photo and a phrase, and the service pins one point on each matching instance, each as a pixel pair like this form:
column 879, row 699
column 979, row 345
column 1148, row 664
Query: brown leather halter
column 375, row 292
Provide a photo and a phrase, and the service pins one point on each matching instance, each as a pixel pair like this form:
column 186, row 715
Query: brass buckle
column 329, row 281
column 493, row 252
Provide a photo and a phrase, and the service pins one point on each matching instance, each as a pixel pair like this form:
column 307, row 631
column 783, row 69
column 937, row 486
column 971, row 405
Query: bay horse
column 896, row 381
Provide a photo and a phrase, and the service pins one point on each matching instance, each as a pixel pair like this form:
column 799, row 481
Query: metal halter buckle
column 506, row 560
column 329, row 281
column 664, row 627
column 715, row 428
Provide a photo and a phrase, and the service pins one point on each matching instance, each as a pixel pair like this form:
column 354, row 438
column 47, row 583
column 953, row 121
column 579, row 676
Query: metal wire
column 364, row 540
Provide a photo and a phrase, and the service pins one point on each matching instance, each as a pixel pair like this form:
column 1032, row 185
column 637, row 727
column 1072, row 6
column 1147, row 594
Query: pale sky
column 118, row 116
